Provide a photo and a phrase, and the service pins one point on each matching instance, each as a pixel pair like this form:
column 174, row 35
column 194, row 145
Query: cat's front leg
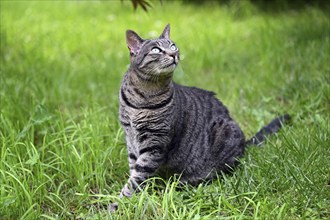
column 149, row 160
column 126, row 189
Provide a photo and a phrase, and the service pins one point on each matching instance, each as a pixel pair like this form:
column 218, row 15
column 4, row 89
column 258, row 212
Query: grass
column 62, row 148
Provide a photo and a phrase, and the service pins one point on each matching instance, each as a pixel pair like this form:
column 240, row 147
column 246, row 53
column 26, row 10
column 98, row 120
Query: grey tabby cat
column 174, row 129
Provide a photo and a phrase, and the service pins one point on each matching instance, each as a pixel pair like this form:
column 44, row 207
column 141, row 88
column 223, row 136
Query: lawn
column 62, row 148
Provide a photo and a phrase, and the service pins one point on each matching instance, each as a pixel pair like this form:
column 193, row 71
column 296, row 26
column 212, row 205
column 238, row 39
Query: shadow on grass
column 269, row 6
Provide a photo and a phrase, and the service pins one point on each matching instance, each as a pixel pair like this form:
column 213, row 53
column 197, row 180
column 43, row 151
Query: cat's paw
column 126, row 192
column 113, row 207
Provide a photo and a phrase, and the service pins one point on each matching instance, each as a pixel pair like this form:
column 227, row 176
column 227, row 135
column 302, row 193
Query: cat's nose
column 173, row 56
column 171, row 53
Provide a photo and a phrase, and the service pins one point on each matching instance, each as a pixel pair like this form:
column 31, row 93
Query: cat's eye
column 173, row 47
column 155, row 50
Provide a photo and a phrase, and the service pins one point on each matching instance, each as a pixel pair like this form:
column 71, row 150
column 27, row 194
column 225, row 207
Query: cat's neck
column 149, row 88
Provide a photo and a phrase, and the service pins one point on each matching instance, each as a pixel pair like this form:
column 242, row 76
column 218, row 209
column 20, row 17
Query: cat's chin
column 169, row 68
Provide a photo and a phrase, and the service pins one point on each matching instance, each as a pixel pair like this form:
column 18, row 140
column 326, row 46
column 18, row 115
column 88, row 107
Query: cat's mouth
column 169, row 67
column 171, row 64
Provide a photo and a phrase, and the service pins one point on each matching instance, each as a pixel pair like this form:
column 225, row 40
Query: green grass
column 62, row 148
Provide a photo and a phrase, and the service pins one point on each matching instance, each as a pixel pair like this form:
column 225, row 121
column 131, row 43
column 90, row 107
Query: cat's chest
column 137, row 118
column 139, row 112
column 146, row 124
column 133, row 116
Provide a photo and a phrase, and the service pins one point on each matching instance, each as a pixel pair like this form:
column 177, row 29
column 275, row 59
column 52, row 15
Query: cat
column 173, row 129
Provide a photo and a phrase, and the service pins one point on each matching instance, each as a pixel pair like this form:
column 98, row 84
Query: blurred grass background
column 62, row 149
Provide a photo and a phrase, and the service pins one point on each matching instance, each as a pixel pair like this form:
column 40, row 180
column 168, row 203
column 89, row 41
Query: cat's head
column 155, row 57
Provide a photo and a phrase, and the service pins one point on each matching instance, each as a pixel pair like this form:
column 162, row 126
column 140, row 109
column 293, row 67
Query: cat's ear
column 166, row 32
column 134, row 42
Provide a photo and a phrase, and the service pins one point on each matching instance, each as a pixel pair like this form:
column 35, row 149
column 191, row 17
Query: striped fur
column 172, row 129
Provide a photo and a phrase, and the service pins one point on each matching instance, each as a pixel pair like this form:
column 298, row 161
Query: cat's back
column 205, row 101
column 193, row 90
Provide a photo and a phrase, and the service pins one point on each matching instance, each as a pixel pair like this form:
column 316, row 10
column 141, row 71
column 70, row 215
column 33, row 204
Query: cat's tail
column 271, row 128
